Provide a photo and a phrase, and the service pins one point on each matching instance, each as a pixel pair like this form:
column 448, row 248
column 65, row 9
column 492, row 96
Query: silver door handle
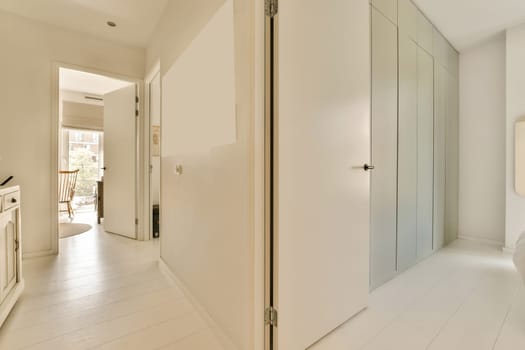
column 367, row 167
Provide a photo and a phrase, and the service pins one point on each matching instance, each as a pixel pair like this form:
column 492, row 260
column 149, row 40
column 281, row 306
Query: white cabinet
column 388, row 8
column 11, row 282
column 407, row 155
column 408, row 18
column 425, row 32
column 425, row 174
column 440, row 119
column 426, row 201
column 8, row 250
column 441, row 51
column 453, row 61
column 452, row 160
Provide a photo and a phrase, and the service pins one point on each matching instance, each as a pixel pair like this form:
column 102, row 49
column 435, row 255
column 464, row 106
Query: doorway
column 153, row 127
column 97, row 154
column 83, row 149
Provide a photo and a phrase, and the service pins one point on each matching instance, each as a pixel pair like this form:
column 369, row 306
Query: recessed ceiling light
column 111, row 24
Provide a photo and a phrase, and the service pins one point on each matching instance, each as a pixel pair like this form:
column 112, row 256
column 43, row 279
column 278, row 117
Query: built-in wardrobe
column 414, row 182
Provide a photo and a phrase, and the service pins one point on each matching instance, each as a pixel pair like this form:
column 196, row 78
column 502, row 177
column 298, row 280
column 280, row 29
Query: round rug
column 68, row 230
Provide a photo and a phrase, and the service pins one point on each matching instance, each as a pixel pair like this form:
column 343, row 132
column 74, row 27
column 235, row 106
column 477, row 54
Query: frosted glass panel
column 520, row 157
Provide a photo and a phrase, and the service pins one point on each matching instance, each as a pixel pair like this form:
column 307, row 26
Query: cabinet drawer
column 11, row 200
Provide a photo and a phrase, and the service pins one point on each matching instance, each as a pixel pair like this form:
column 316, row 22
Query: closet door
column 440, row 117
column 425, row 32
column 425, row 172
column 384, row 149
column 388, row 8
column 452, row 161
column 408, row 19
column 407, row 155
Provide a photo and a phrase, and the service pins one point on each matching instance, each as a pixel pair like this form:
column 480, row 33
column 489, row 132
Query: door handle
column 367, row 167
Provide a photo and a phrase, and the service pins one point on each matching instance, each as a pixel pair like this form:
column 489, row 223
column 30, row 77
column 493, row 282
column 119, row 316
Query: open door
column 120, row 162
column 321, row 133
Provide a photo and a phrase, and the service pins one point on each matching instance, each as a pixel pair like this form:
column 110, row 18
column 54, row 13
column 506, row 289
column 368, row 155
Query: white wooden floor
column 103, row 292
column 468, row 296
column 106, row 292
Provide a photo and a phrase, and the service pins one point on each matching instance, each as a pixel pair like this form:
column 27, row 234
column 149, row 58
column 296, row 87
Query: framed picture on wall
column 155, row 141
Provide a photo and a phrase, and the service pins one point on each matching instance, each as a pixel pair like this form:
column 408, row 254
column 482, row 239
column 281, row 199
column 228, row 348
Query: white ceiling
column 135, row 19
column 88, row 83
column 464, row 22
column 468, row 22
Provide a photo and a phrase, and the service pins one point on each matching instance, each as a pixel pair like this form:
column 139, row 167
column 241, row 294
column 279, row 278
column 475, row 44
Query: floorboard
column 103, row 292
column 468, row 296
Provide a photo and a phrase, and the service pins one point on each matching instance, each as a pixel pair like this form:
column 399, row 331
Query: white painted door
column 323, row 193
column 120, row 162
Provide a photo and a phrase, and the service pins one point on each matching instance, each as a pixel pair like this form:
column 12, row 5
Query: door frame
column 146, row 214
column 271, row 76
column 55, row 134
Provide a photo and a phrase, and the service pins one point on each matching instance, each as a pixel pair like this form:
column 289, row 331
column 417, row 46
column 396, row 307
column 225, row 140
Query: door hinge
column 136, row 112
column 270, row 316
column 136, row 99
column 136, row 221
column 271, row 7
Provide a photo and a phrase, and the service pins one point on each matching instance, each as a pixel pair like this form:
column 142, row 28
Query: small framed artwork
column 155, row 141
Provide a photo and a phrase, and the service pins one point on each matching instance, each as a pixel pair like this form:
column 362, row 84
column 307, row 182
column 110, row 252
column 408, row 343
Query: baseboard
column 219, row 333
column 39, row 254
column 482, row 240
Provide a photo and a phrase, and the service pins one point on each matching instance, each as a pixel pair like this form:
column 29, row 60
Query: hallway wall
column 181, row 22
column 207, row 213
column 515, row 204
column 27, row 52
column 482, row 142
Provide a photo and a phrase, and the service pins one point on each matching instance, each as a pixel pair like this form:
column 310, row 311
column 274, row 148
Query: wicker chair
column 67, row 181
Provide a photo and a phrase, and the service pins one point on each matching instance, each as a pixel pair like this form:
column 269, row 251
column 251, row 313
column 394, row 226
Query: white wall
column 515, row 204
column 27, row 52
column 181, row 22
column 207, row 214
column 482, row 142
